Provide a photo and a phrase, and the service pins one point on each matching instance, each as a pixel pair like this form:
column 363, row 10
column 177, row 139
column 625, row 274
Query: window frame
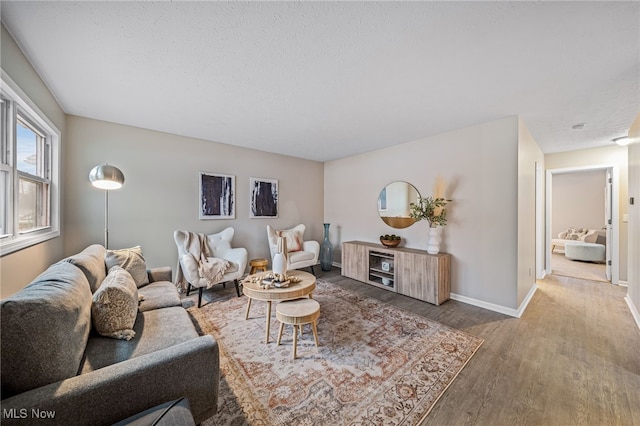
column 16, row 104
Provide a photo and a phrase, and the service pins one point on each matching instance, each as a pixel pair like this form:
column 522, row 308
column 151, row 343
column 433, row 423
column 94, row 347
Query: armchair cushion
column 300, row 256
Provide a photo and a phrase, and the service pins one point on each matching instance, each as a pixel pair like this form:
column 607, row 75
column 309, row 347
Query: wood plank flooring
column 572, row 359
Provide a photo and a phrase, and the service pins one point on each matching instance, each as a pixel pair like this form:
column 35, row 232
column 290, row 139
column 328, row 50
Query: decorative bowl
column 390, row 243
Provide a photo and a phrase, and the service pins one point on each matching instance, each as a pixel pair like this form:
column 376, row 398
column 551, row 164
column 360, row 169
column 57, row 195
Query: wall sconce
column 106, row 177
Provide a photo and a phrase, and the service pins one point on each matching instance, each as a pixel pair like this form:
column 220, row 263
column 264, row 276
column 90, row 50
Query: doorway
column 584, row 197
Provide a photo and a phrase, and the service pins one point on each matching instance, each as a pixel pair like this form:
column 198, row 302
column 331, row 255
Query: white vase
column 279, row 261
column 279, row 264
column 434, row 239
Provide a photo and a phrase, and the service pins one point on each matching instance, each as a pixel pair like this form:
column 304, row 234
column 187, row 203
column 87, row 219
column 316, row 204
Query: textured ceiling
column 325, row 80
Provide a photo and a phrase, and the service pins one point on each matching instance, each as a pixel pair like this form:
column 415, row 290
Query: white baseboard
column 517, row 313
column 623, row 283
column 633, row 309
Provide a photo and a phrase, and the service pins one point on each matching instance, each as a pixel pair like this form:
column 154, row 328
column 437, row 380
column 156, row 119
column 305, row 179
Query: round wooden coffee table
column 295, row 290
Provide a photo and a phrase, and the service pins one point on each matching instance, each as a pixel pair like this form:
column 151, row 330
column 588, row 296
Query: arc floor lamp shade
column 106, row 177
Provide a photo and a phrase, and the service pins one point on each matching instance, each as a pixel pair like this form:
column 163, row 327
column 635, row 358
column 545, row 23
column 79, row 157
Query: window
column 29, row 196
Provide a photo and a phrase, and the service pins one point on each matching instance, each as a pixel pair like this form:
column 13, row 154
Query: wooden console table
column 414, row 273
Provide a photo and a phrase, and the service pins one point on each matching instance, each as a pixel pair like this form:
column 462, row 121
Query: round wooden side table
column 298, row 313
column 258, row 265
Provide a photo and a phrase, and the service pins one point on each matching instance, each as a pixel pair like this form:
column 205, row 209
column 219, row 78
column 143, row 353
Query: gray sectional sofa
column 56, row 369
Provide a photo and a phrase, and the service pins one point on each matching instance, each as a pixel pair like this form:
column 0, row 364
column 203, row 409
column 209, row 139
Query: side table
column 258, row 265
column 304, row 288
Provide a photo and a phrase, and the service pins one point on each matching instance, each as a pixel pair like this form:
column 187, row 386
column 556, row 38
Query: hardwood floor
column 572, row 359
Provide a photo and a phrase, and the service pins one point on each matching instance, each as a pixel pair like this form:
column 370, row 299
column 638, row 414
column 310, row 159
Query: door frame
column 615, row 201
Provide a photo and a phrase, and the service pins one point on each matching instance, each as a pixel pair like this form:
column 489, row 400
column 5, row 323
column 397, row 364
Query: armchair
column 300, row 253
column 194, row 248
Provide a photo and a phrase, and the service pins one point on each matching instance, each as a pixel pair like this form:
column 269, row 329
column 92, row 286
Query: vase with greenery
column 433, row 211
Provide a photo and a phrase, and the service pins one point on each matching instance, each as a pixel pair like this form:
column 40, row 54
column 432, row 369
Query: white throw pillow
column 115, row 305
column 131, row 260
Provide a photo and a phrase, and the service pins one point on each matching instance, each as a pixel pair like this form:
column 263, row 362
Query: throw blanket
column 210, row 269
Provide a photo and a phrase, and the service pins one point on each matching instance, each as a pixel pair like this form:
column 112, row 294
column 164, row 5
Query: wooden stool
column 297, row 313
column 258, row 265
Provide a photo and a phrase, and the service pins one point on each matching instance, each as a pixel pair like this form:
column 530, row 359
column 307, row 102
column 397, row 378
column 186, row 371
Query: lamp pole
column 106, row 218
column 106, row 177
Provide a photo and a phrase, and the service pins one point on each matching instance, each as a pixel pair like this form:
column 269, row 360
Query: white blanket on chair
column 210, row 269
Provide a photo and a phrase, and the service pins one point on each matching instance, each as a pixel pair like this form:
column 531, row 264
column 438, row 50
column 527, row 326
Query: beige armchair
column 301, row 254
column 221, row 262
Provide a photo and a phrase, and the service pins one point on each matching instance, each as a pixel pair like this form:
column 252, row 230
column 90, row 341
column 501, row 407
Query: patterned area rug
column 376, row 364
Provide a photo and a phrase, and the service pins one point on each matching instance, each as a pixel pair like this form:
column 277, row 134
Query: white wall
column 577, row 200
column 160, row 193
column 19, row 268
column 633, row 292
column 479, row 164
column 530, row 157
column 613, row 155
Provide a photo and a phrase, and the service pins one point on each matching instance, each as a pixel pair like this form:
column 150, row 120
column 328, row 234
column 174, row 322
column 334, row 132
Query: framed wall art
column 217, row 196
column 263, row 198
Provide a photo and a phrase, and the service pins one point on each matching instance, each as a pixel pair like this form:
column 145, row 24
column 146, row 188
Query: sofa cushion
column 91, row 262
column 45, row 328
column 115, row 305
column 159, row 294
column 155, row 330
column 131, row 260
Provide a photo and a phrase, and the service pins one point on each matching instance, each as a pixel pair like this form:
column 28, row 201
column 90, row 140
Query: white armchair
column 218, row 246
column 577, row 235
column 301, row 254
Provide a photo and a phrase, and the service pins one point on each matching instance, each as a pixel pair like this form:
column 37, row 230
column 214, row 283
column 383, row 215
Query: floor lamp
column 106, row 177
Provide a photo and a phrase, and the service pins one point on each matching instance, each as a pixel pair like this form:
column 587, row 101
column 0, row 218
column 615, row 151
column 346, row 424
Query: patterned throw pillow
column 293, row 237
column 576, row 234
column 115, row 305
column 131, row 260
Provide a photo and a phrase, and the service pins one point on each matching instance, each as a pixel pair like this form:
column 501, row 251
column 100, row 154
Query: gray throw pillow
column 115, row 305
column 131, row 260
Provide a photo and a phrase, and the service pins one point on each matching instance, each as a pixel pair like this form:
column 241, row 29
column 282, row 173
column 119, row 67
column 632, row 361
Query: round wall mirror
column 394, row 204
